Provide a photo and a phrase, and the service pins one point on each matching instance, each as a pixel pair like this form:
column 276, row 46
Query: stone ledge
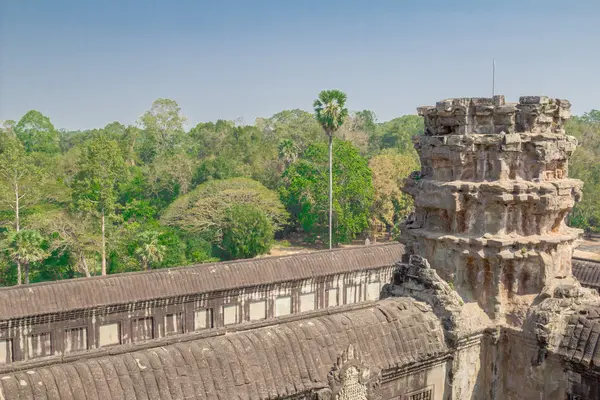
column 497, row 242
column 501, row 187
column 501, row 138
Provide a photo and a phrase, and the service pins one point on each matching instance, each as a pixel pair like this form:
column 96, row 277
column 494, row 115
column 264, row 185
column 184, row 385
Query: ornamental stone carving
column 352, row 379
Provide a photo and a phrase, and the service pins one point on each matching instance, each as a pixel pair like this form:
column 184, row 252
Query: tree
column 19, row 178
column 208, row 138
column 71, row 234
column 37, row 133
column 203, row 211
column 128, row 143
column 163, row 124
column 305, row 191
column 7, row 127
column 398, row 134
column 20, row 182
column 25, row 248
column 169, row 176
column 247, row 233
column 150, row 250
column 585, row 165
column 101, row 166
column 288, row 151
column 330, row 111
column 390, row 205
column 358, row 129
column 297, row 125
column 591, row 117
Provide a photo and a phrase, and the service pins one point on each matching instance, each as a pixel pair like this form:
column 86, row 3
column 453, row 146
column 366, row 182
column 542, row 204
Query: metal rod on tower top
column 493, row 77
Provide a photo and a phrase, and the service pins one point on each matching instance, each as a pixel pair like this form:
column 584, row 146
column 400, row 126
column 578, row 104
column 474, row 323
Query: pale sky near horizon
column 86, row 63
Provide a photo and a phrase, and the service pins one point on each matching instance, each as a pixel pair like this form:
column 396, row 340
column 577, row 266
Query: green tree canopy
column 299, row 126
column 7, row 127
column 330, row 110
column 304, row 190
column 150, row 250
column 397, row 133
column 204, row 209
column 101, row 167
column 164, row 127
column 37, row 133
column 248, row 232
column 71, row 234
column 390, row 204
column 585, row 165
column 20, row 178
column 207, row 138
column 26, row 247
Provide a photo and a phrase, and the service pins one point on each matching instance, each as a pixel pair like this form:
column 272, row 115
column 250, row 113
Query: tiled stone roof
column 75, row 294
column 581, row 342
column 264, row 363
column 587, row 272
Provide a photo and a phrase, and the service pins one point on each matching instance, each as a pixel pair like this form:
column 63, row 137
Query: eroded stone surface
column 491, row 199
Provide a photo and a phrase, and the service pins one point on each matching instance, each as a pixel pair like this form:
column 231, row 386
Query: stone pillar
column 491, row 199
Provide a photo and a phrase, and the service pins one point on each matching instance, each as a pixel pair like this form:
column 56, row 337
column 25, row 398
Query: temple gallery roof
column 587, row 272
column 581, row 342
column 82, row 293
column 263, row 363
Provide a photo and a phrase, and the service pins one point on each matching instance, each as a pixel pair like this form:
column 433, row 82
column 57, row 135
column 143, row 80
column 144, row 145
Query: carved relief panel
column 351, row 379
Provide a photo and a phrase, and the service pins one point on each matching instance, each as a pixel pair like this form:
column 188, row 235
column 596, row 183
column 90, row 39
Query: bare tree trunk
column 84, row 265
column 18, row 228
column 27, row 273
column 131, row 159
column 330, row 186
column 103, row 245
column 19, row 277
column 17, row 221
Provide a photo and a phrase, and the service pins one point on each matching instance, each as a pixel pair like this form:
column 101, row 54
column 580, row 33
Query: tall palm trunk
column 330, row 186
column 26, row 273
column 17, row 228
column 103, row 245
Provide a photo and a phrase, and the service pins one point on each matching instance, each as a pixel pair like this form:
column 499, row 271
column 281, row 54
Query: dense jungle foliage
column 156, row 195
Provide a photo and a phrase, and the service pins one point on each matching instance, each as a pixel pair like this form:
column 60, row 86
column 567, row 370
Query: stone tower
column 491, row 199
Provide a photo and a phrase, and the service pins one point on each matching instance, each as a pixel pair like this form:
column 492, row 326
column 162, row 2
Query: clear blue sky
column 86, row 63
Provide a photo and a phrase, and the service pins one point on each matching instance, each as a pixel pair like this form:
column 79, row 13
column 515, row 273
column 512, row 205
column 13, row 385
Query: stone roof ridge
column 197, row 265
column 87, row 293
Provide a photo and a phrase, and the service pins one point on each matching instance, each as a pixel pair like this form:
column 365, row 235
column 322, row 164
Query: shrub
column 248, row 232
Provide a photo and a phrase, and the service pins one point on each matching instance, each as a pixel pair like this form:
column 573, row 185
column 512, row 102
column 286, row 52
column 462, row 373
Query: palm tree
column 288, row 151
column 150, row 250
column 331, row 112
column 26, row 247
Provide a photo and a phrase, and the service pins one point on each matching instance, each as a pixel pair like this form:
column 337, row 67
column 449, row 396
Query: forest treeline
column 156, row 195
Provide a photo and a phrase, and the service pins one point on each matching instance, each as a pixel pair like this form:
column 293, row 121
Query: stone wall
column 427, row 381
column 525, row 373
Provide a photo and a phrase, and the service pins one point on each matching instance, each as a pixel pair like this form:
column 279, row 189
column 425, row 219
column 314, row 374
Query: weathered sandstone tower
column 492, row 197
